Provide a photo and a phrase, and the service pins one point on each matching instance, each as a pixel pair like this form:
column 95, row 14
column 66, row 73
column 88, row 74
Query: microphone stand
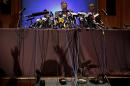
column 104, row 66
column 76, row 56
column 104, row 48
column 20, row 18
column 20, row 39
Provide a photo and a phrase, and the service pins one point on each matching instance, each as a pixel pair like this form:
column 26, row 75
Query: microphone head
column 24, row 8
column 51, row 14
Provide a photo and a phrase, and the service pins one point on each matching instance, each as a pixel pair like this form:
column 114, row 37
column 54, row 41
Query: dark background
column 5, row 6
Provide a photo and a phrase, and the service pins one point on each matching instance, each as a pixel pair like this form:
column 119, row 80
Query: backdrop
column 33, row 6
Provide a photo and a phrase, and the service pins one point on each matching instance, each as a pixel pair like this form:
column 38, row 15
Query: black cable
column 104, row 51
column 94, row 45
column 20, row 45
column 75, row 55
column 43, row 46
column 104, row 55
column 95, row 49
column 33, row 51
column 124, row 51
column 35, row 54
column 70, row 45
column 23, row 34
column 53, row 35
column 46, row 45
column 77, row 42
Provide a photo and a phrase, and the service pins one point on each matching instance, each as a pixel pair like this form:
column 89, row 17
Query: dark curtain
column 108, row 50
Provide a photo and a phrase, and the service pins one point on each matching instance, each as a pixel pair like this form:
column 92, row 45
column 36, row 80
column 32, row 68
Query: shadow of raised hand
column 16, row 66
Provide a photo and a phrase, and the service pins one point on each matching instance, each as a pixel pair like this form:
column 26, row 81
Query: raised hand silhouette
column 15, row 52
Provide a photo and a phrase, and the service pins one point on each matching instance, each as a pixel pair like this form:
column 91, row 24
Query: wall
column 10, row 20
column 122, row 14
column 126, row 12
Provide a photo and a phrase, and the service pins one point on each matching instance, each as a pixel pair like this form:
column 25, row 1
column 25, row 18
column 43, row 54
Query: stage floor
column 54, row 81
column 49, row 81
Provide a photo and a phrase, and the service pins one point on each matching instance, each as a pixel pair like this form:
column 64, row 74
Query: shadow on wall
column 51, row 68
column 56, row 68
column 15, row 52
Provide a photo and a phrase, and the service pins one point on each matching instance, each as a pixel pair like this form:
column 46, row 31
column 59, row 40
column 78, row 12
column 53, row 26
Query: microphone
column 20, row 15
column 51, row 14
column 37, row 14
column 104, row 12
column 22, row 10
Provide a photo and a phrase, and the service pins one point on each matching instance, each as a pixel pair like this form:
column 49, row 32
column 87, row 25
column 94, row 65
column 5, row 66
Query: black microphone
column 21, row 11
column 104, row 12
column 51, row 14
